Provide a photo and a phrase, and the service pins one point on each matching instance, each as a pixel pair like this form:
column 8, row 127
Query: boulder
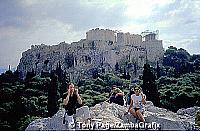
column 188, row 111
column 105, row 115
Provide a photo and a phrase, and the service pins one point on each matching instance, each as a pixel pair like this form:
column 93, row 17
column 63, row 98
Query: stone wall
column 128, row 39
column 100, row 34
column 155, row 50
column 100, row 52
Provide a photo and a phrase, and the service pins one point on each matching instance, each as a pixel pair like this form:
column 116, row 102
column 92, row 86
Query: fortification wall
column 100, row 34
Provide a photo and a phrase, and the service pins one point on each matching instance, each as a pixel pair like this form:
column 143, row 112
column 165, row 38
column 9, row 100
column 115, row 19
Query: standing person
column 136, row 106
column 116, row 96
column 71, row 102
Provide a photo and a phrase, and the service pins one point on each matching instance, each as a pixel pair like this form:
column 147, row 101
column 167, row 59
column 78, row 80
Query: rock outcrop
column 105, row 116
column 78, row 58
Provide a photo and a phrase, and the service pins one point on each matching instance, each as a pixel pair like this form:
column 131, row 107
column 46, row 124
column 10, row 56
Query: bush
column 7, row 94
column 197, row 118
column 25, row 121
column 92, row 92
column 31, row 92
column 181, row 92
column 89, row 102
column 8, row 106
column 99, row 98
column 99, row 81
column 5, row 125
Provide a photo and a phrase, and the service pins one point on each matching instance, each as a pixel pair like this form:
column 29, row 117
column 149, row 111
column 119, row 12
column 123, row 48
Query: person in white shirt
column 136, row 106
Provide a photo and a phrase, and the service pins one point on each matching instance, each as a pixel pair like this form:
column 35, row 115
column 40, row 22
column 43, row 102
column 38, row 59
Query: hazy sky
column 28, row 22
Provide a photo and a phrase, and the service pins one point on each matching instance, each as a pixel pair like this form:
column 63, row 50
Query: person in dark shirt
column 71, row 103
column 116, row 96
column 73, row 106
column 72, row 100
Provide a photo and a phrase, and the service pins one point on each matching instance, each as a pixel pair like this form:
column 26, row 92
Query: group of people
column 73, row 103
column 136, row 100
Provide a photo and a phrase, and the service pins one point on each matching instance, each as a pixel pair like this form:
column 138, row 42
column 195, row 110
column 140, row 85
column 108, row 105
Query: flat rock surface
column 105, row 115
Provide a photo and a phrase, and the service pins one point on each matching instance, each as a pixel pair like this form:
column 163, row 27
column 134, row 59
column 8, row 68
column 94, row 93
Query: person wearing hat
column 137, row 101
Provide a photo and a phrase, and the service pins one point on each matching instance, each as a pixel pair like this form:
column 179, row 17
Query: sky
column 32, row 22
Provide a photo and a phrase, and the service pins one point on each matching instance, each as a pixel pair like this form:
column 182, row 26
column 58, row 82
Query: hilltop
column 102, row 50
column 113, row 113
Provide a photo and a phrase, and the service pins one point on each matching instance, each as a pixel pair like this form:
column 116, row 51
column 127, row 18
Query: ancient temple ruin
column 101, row 49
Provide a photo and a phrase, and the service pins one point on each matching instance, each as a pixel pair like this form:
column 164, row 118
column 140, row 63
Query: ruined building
column 102, row 49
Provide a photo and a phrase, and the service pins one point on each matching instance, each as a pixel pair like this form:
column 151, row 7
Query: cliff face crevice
column 104, row 113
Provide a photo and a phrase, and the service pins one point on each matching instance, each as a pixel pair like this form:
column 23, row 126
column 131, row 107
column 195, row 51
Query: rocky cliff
column 105, row 116
column 84, row 55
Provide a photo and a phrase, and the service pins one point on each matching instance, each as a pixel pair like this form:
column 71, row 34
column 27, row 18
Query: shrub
column 24, row 122
column 197, row 119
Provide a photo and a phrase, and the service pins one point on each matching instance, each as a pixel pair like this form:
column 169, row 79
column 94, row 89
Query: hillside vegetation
column 176, row 84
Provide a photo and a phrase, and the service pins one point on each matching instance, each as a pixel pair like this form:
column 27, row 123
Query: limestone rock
column 189, row 111
column 112, row 113
column 79, row 57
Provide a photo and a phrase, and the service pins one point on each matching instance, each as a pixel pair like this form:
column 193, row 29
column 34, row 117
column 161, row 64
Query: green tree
column 149, row 86
column 53, row 96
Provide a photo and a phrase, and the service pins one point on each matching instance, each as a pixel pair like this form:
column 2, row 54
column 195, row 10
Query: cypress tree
column 158, row 70
column 116, row 66
column 149, row 85
column 53, row 95
column 128, row 76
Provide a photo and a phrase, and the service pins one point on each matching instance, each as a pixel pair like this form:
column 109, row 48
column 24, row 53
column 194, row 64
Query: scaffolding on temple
column 150, row 35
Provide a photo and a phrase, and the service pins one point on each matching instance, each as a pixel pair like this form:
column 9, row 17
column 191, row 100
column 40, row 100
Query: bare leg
column 140, row 116
column 133, row 113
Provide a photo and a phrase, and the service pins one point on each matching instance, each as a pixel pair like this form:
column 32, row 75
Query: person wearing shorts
column 136, row 106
